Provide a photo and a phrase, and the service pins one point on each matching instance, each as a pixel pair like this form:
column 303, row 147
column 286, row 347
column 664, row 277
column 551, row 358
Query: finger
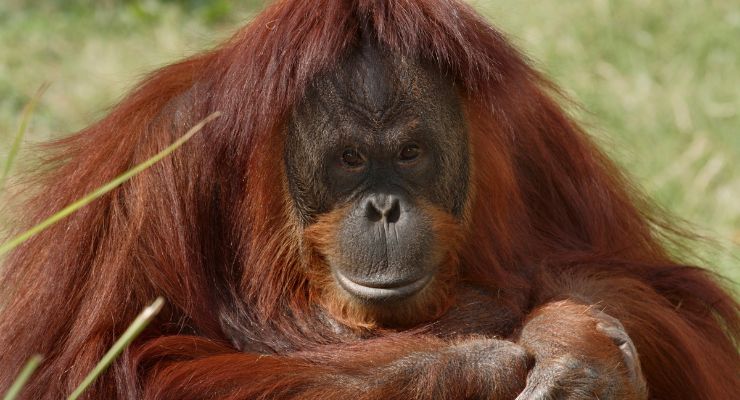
column 567, row 378
column 627, row 347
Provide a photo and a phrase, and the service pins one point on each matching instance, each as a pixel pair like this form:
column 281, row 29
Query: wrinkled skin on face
column 382, row 142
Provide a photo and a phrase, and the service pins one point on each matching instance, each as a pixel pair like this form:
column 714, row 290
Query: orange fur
column 212, row 230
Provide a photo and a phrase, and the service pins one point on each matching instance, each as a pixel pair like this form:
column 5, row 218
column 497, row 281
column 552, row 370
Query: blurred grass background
column 659, row 80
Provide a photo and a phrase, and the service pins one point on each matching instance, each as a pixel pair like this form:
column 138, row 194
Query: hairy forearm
column 410, row 367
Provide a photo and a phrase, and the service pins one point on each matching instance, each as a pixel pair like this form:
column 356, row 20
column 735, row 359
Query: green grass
column 134, row 329
column 137, row 326
column 20, row 381
column 659, row 80
column 106, row 188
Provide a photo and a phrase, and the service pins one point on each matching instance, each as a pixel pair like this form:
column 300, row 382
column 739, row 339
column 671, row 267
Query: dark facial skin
column 383, row 138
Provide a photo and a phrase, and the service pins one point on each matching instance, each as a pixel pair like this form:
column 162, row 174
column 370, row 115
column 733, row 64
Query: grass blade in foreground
column 141, row 321
column 22, row 378
column 25, row 119
column 14, row 242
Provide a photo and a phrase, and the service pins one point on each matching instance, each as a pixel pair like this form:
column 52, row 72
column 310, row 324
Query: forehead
column 380, row 91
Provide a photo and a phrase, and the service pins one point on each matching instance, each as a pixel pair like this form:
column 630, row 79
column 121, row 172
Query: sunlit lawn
column 659, row 81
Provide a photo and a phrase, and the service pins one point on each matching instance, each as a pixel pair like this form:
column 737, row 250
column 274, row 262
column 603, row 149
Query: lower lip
column 376, row 293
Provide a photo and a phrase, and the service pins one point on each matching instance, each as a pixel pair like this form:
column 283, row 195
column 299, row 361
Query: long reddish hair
column 210, row 228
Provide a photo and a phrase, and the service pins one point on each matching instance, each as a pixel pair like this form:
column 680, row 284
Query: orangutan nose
column 383, row 207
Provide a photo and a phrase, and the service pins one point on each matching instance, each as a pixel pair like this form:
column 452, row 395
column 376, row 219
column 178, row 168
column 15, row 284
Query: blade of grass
column 136, row 327
column 20, row 381
column 66, row 211
column 25, row 119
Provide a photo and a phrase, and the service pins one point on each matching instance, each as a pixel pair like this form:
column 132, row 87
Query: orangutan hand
column 580, row 353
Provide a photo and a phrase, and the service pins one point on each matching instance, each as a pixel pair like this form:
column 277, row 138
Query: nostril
column 371, row 211
column 393, row 214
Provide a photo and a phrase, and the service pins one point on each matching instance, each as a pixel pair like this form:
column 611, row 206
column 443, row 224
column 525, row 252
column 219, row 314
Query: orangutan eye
column 352, row 158
column 410, row 152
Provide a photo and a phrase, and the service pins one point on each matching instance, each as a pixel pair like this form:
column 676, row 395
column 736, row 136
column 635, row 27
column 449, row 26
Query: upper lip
column 384, row 290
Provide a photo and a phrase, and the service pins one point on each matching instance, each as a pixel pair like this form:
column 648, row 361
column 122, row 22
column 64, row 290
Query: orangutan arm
column 404, row 367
